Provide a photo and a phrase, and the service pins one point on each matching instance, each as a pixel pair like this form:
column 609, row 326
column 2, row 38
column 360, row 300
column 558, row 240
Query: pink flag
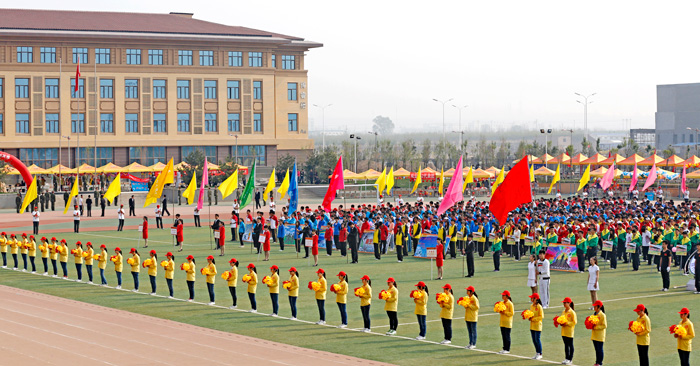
column 337, row 182
column 633, row 184
column 454, row 190
column 650, row 179
column 684, row 187
column 607, row 179
column 205, row 182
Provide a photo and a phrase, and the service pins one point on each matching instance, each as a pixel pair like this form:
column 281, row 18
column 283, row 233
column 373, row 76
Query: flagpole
column 77, row 147
column 94, row 177
column 60, row 132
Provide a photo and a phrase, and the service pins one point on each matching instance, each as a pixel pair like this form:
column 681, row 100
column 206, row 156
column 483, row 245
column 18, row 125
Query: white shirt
column 158, row 212
column 686, row 194
column 35, row 216
column 646, row 239
column 76, row 215
column 272, row 206
column 236, row 207
column 532, row 271
column 543, row 268
column 592, row 272
column 196, row 212
column 120, row 213
column 558, row 195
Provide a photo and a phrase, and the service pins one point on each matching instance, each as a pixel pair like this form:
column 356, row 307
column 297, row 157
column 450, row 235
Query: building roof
column 89, row 21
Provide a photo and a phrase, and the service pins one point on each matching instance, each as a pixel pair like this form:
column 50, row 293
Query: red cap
column 12, row 235
column 448, row 286
column 153, row 252
column 293, row 269
column 31, row 236
column 639, row 307
column 190, row 257
column 534, row 296
column 251, row 265
column 3, row 233
column 117, row 248
column 420, row 284
column 598, row 303
column 471, row 288
column 684, row 311
column 169, row 254
column 103, row 246
column 390, row 279
column 133, row 250
column 275, row 267
column 79, row 243
column 233, row 260
column 24, row 235
column 320, row 270
column 210, row 257
column 43, row 238
column 341, row 273
column 53, row 238
column 567, row 299
column 365, row 277
column 505, row 293
column 157, row 206
column 88, row 244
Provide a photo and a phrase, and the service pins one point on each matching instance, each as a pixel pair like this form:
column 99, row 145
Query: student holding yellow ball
column 341, row 298
column 135, row 263
column 189, row 268
column 643, row 339
column 14, row 249
column 53, row 255
column 117, row 259
column 320, row 294
column 31, row 252
column 210, row 272
column 231, row 276
column 506, row 320
column 102, row 264
column 420, row 298
column 152, row 266
column 169, row 272
column 685, row 341
column 3, row 248
column 293, row 288
column 391, row 305
column 45, row 249
column 78, row 255
column 273, row 284
column 567, row 330
column 536, row 324
column 471, row 315
column 252, row 279
column 87, row 254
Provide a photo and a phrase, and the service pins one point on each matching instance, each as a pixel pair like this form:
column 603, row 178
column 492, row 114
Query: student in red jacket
column 265, row 236
column 179, row 237
column 329, row 240
column 383, row 235
column 440, row 248
column 144, row 232
column 222, row 238
column 314, row 247
column 343, row 239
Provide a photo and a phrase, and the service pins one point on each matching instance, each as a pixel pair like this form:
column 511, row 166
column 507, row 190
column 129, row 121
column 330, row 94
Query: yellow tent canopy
column 33, row 169
column 691, row 161
column 617, row 158
column 449, row 173
column 478, row 173
column 654, row 159
column 693, row 175
column 369, row 174
column 578, row 159
column 211, row 166
column 181, row 166
column 593, row 160
column 401, row 172
column 157, row 167
column 544, row 159
column 493, row 171
column 109, row 168
column 85, row 169
column 600, row 172
column 631, row 160
column 544, row 171
column 63, row 169
column 530, row 159
column 562, row 159
column 136, row 168
column 674, row 160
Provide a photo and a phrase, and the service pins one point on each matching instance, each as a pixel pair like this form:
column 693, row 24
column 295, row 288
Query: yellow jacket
column 643, row 338
column 506, row 317
column 63, row 251
column 598, row 331
column 233, row 276
column 78, row 255
column 14, row 246
column 118, row 264
column 536, row 320
column 252, row 284
column 3, row 244
column 341, row 296
column 421, row 304
column 211, row 275
column 471, row 312
column 23, row 246
column 686, row 343
column 54, row 251
column 366, row 299
column 153, row 268
column 447, row 307
column 567, row 330
column 392, row 302
column 31, row 248
column 294, row 287
column 89, row 259
column 274, row 284
column 136, row 263
column 170, row 270
column 190, row 272
column 45, row 253
column 321, row 293
column 102, row 262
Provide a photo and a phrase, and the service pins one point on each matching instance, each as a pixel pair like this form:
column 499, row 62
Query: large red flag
column 337, row 182
column 513, row 192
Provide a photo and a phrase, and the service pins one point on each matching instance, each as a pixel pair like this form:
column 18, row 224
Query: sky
column 510, row 62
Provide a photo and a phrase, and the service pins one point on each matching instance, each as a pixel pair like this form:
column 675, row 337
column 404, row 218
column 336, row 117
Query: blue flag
column 293, row 191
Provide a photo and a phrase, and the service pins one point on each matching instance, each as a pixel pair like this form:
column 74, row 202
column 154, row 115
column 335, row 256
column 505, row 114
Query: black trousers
column 190, row 288
column 480, row 246
column 497, row 260
column 568, row 348
column 470, row 264
column 233, row 234
column 393, row 320
column 282, row 243
column 635, row 259
column 685, row 357
column 399, row 252
column 165, row 210
column 505, row 336
column 103, row 210
column 591, row 252
column 35, row 227
column 666, row 278
column 197, row 222
column 120, row 227
column 384, row 246
column 599, row 354
column 76, row 226
column 697, row 275
column 447, row 328
column 365, row 316
column 132, row 211
column 342, row 247
column 353, row 251
column 643, row 352
column 613, row 257
column 329, row 247
column 453, row 248
column 232, row 290
column 321, row 309
column 159, row 222
column 89, row 210
column 376, row 251
column 581, row 261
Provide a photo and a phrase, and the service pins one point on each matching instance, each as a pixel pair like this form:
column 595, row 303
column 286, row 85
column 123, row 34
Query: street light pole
column 355, row 137
column 696, row 138
column 236, row 136
column 585, row 111
column 444, row 136
column 460, row 122
column 323, row 119
column 546, row 142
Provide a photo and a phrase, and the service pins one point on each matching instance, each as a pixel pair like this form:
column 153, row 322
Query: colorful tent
column 136, row 168
column 530, row 159
column 403, row 173
column 544, row 171
column 654, row 159
column 181, row 166
column 617, row 158
column 563, row 159
column 63, row 169
column 369, row 174
column 594, row 160
column 673, row 161
column 33, row 169
column 631, row 160
column 577, row 160
column 158, row 167
column 693, row 175
column 481, row 174
column 600, row 172
column 544, row 159
column 691, row 161
column 109, row 168
column 493, row 171
column 85, row 169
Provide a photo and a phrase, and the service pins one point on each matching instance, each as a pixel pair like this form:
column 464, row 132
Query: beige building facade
column 152, row 87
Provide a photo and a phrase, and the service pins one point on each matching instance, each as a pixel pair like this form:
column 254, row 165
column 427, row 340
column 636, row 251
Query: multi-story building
column 677, row 116
column 151, row 87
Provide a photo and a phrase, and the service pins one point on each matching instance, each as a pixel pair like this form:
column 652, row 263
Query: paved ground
column 39, row 329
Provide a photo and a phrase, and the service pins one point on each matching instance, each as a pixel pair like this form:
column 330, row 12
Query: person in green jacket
column 620, row 247
column 591, row 243
column 581, row 251
column 637, row 240
column 496, row 248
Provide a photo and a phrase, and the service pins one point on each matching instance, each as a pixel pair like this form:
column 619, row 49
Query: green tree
column 407, row 152
column 283, row 163
column 383, row 125
column 570, row 150
column 503, row 154
column 387, row 155
column 425, row 153
column 441, row 153
column 320, row 165
column 668, row 152
column 194, row 163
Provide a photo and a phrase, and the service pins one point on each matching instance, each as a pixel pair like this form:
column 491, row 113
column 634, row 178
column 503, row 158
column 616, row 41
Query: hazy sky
column 512, row 62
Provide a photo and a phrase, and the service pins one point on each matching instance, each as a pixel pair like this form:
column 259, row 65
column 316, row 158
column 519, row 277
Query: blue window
column 132, row 122
column 106, row 122
column 292, row 121
column 206, row 58
column 22, row 88
column 288, row 62
column 291, row 91
column 247, row 154
column 257, row 89
column 25, row 55
column 81, row 88
column 22, row 120
column 103, row 56
column 184, row 58
column 183, row 122
column 209, row 151
column 209, row 89
column 51, row 88
column 131, row 88
column 44, row 158
column 77, row 122
column 2, row 124
column 183, row 89
column 80, row 54
column 87, row 155
column 106, row 88
column 133, row 56
column 234, row 122
column 52, row 123
column 155, row 57
column 147, row 155
column 235, row 59
column 210, row 122
column 234, row 88
column 48, row 55
column 159, row 122
column 254, row 59
column 257, row 122
column 1, row 91
column 159, row 89
column 274, row 61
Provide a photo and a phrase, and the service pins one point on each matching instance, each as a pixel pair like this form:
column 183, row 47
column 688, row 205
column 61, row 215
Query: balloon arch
column 17, row 164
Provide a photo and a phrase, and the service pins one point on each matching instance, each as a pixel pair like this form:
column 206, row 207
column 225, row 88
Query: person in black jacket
column 257, row 199
column 665, row 266
column 103, row 204
column 257, row 230
column 353, row 240
column 215, row 227
column 165, row 205
column 306, row 233
column 469, row 249
column 132, row 206
column 18, row 201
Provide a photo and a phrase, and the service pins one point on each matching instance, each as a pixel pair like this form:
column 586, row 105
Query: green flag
column 247, row 195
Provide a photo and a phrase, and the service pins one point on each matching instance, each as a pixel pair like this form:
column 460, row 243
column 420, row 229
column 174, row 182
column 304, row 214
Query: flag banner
column 191, row 190
column 270, row 186
column 418, row 180
column 454, row 190
column 114, row 190
column 30, row 196
column 293, row 191
column 205, row 183
column 247, row 195
column 336, row 183
column 513, row 192
column 284, row 187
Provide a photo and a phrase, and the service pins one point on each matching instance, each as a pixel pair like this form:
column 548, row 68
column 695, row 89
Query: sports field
column 621, row 291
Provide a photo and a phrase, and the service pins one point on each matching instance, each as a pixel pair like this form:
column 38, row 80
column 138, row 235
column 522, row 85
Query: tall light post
column 461, row 136
column 355, row 137
column 696, row 138
column 236, row 136
column 460, row 118
column 585, row 111
column 444, row 136
column 323, row 119
column 546, row 133
column 376, row 144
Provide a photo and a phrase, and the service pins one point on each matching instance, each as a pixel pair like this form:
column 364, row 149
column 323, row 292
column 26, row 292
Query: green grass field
column 621, row 290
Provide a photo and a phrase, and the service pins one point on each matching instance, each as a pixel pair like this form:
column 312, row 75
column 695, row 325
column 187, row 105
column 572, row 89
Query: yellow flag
column 270, row 185
column 468, row 179
column 191, row 190
column 390, row 181
column 30, row 196
column 555, row 179
column 418, row 180
column 115, row 189
column 157, row 188
column 532, row 173
column 73, row 193
column 442, row 181
column 381, row 181
column 284, row 187
column 585, row 178
column 499, row 180
column 229, row 185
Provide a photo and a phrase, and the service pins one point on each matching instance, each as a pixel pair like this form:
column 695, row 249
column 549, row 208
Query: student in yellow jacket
column 53, row 255
column 274, row 286
column 506, row 321
column 45, row 250
column 14, row 249
column 391, row 306
column 102, row 264
column 190, row 276
column 321, row 296
column 31, row 252
column 366, row 302
column 471, row 316
column 446, row 312
column 341, row 298
column 135, row 263
column 536, row 324
column 153, row 270
column 118, row 266
column 421, row 310
column 24, row 247
column 567, row 330
column 598, row 331
column 252, row 285
column 211, row 277
column 3, row 248
column 87, row 254
column 685, row 343
column 232, row 281
column 169, row 272
column 63, row 257
column 293, row 291
column 643, row 339
column 78, row 258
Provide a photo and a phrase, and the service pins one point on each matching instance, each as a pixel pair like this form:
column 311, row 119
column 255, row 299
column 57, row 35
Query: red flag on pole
column 513, row 192
column 337, row 182
column 77, row 76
